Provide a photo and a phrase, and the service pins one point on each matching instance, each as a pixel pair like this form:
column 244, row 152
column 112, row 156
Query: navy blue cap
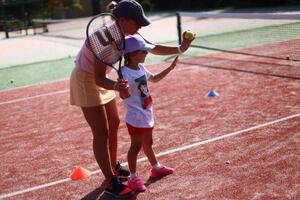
column 131, row 9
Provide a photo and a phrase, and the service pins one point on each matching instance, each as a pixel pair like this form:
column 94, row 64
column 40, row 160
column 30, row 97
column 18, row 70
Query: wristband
column 179, row 50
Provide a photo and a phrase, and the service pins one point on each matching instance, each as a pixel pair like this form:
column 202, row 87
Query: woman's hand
column 186, row 42
column 122, row 86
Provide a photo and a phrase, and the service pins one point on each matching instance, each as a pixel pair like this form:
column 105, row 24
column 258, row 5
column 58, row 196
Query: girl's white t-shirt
column 139, row 105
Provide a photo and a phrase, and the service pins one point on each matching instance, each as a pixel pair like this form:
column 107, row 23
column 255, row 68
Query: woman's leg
column 97, row 120
column 113, row 124
column 147, row 147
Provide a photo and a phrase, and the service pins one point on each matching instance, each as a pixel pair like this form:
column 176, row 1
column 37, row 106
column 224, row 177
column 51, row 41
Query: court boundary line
column 181, row 148
column 33, row 97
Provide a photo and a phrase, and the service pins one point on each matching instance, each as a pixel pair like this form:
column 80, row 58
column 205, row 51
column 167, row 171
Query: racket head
column 106, row 39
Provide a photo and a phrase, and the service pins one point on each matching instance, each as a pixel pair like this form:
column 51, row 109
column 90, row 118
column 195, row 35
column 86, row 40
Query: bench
column 12, row 25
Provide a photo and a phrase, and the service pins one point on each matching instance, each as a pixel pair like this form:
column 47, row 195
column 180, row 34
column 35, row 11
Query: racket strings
column 118, row 37
column 107, row 41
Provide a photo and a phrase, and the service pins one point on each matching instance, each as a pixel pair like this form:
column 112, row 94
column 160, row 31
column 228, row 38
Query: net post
column 179, row 27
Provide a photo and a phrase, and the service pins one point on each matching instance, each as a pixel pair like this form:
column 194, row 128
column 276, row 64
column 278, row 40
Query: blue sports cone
column 212, row 93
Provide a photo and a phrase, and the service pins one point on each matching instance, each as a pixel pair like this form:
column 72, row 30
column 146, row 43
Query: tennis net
column 270, row 35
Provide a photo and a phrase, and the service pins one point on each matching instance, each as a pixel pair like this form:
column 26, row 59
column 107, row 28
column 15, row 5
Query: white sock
column 133, row 175
column 157, row 166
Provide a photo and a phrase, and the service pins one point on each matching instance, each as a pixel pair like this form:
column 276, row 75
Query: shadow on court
column 98, row 193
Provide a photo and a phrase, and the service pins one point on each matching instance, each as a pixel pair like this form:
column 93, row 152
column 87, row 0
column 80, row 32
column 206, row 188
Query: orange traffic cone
column 79, row 173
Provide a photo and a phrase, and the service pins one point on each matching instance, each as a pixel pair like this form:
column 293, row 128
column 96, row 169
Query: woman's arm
column 168, row 50
column 104, row 82
column 164, row 50
column 100, row 76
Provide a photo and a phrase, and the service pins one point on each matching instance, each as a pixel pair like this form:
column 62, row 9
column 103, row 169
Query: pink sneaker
column 136, row 185
column 164, row 171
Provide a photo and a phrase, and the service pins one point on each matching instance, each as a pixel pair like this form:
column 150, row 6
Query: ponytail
column 126, row 59
column 111, row 7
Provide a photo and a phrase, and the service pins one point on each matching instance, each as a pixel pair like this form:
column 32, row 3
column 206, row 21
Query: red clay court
column 242, row 144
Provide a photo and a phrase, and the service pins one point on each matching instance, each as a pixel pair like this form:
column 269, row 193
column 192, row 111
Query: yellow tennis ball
column 189, row 35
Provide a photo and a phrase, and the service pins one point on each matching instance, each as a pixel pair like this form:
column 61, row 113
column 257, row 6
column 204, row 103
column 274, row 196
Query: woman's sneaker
column 117, row 189
column 120, row 171
column 163, row 171
column 136, row 185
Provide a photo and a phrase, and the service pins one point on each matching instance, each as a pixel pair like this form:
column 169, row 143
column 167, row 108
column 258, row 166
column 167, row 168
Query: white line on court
column 182, row 148
column 33, row 97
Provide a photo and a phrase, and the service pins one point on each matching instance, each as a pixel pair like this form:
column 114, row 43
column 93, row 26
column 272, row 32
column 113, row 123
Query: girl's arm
column 157, row 77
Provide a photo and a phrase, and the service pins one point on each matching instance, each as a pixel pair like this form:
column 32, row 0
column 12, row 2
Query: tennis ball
column 189, row 35
column 11, row 80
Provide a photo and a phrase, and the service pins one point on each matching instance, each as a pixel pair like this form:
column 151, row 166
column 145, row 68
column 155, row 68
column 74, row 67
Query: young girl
column 139, row 116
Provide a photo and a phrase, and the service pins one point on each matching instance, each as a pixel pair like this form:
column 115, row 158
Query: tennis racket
column 106, row 39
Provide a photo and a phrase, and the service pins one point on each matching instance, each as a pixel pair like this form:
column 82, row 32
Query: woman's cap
column 136, row 42
column 131, row 9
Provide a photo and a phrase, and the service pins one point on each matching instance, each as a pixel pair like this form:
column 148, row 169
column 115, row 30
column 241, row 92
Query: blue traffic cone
column 212, row 93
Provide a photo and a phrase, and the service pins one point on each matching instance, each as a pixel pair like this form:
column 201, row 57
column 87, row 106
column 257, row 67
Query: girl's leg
column 113, row 123
column 147, row 147
column 134, row 181
column 97, row 120
column 135, row 147
column 157, row 169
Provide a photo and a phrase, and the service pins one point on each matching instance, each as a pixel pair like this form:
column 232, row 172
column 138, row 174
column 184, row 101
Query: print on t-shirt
column 144, row 91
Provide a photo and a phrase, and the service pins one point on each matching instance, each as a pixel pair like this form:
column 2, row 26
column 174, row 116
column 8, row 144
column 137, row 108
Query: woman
column 94, row 92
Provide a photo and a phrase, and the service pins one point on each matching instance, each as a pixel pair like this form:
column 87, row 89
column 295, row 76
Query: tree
column 61, row 7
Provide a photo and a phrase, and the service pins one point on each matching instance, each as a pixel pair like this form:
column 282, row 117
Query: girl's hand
column 186, row 42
